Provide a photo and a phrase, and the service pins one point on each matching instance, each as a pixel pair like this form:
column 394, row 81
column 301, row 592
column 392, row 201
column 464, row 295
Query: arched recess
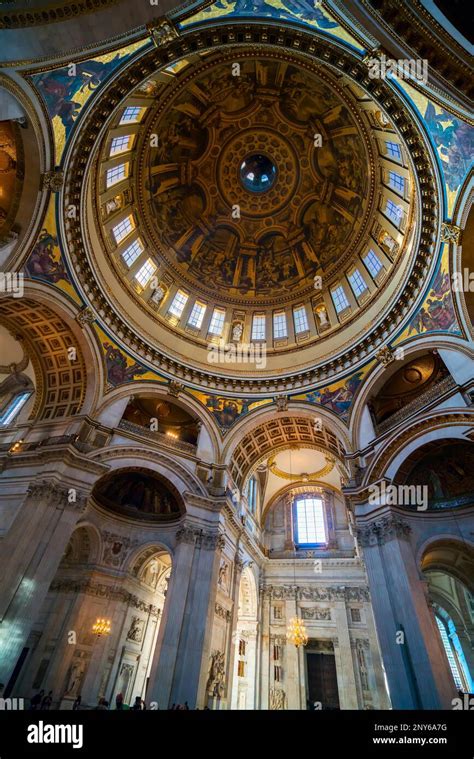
column 254, row 439
column 140, row 493
column 33, row 148
column 123, row 457
column 113, row 405
column 448, row 566
column 84, row 547
column 452, row 424
column 244, row 680
column 453, row 351
column 451, row 556
column 66, row 381
column 446, row 468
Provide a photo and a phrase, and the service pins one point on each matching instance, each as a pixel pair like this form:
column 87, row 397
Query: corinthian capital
column 57, row 495
column 383, row 530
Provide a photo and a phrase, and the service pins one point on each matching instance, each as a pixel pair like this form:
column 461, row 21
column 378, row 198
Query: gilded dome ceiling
column 249, row 194
column 221, row 230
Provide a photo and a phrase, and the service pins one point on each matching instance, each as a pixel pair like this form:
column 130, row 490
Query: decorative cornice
column 100, row 590
column 51, row 13
column 346, row 593
column 383, row 530
column 414, row 27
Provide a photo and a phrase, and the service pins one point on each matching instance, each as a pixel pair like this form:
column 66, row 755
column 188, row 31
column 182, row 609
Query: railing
column 434, row 392
column 157, row 437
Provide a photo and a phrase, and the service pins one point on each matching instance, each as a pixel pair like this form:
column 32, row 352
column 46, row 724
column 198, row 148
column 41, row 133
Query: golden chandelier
column 101, row 627
column 296, row 632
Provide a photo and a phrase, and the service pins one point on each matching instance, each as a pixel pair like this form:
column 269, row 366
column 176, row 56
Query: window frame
column 180, row 300
column 297, row 320
column 280, row 322
column 259, row 320
column 217, row 318
column 14, row 407
column 309, row 496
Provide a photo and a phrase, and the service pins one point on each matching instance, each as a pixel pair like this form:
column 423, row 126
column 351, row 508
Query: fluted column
column 29, row 556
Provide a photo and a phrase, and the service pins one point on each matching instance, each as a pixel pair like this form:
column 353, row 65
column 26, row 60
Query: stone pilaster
column 29, row 555
column 346, row 681
column 231, row 655
column 418, row 675
column 181, row 659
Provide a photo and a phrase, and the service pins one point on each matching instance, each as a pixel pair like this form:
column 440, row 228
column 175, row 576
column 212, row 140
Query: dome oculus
column 257, row 173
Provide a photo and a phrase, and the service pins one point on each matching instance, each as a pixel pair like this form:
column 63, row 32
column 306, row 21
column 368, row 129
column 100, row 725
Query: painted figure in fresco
column 41, row 263
column 134, row 491
column 338, row 400
column 59, row 87
column 455, row 140
column 438, row 311
column 303, row 8
column 117, row 369
column 226, row 410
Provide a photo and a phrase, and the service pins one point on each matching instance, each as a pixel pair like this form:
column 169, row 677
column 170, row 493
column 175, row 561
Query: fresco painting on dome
column 45, row 261
column 437, row 313
column 338, row 397
column 65, row 90
column 305, row 12
column 226, row 411
column 121, row 368
column 453, row 139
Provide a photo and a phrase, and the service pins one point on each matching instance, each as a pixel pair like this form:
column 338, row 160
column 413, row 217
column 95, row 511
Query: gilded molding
column 52, row 14
column 450, row 233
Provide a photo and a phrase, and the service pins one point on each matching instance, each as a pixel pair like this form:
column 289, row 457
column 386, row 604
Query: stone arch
column 248, row 595
column 450, row 555
column 114, row 403
column 33, row 138
column 450, row 424
column 84, row 547
column 64, row 387
column 138, row 559
column 450, row 348
column 179, row 475
column 148, row 494
column 256, row 438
